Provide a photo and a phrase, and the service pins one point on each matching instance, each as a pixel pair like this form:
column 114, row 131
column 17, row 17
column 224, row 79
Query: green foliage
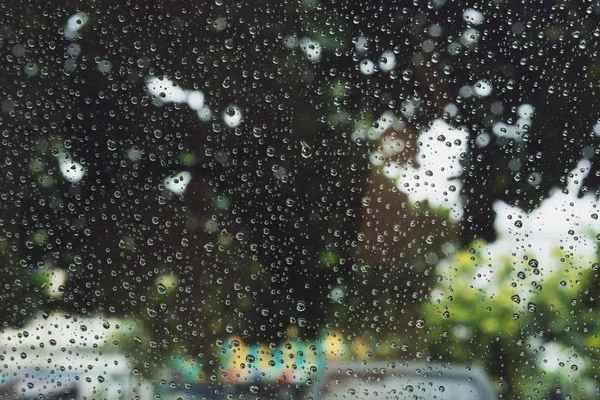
column 533, row 330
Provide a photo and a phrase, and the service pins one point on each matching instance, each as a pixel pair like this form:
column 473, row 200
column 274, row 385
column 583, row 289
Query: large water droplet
column 306, row 150
column 161, row 289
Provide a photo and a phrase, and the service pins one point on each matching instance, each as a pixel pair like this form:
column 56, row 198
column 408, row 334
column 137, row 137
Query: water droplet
column 306, row 150
column 111, row 144
column 420, row 323
column 301, row 306
column 161, row 289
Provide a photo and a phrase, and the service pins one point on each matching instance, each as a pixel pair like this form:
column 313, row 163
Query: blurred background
column 225, row 197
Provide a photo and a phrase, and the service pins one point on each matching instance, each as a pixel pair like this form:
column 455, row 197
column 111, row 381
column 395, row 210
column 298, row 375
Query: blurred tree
column 268, row 225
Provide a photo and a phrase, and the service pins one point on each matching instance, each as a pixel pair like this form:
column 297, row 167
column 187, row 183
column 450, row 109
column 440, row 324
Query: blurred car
column 401, row 380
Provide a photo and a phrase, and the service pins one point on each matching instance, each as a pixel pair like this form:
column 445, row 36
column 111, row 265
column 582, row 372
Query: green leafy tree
column 528, row 328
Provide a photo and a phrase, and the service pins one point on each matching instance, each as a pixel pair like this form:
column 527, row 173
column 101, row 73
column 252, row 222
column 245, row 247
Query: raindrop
column 306, row 150
column 300, row 306
column 161, row 289
column 111, row 144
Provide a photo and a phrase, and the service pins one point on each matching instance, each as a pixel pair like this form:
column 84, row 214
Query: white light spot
column 360, row 131
column 501, row 129
column 466, row 91
column 514, row 165
column 104, row 66
column 204, row 114
column 361, row 45
column 387, row 61
column 312, row 49
column 496, row 108
column 178, row 182
column 473, row 16
column 74, row 50
column 408, row 108
column 439, row 166
column 483, row 139
column 377, row 158
column 367, row 67
column 435, row 30
column 232, row 116
column 483, row 88
column 337, row 294
column 71, row 170
column 75, row 23
column 220, row 24
column 428, row 45
column 391, row 146
column 290, row 42
column 392, row 170
column 544, row 228
column 470, row 37
column 451, row 109
column 525, row 111
column 165, row 90
column 195, row 99
column 380, row 126
column 134, row 155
